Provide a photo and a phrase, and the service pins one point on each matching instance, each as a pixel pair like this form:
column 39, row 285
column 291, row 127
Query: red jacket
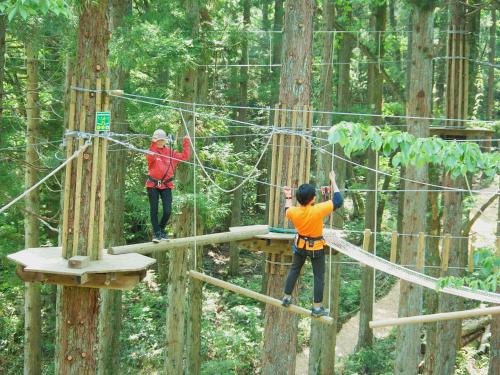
column 163, row 166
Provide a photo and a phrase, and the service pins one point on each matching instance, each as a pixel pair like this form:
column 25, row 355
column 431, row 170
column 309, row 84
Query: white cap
column 160, row 134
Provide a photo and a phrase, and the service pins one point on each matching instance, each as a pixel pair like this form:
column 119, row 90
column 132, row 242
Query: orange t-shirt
column 308, row 220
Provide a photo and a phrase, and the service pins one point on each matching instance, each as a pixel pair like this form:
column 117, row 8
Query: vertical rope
column 194, row 192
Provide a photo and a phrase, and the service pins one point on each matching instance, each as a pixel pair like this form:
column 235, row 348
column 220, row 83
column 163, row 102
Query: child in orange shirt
column 307, row 219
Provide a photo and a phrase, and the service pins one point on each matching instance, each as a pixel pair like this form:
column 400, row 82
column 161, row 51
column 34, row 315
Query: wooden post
column 394, row 246
column 279, row 170
column 303, row 145
column 67, row 179
column 308, row 152
column 446, row 252
column 420, row 255
column 292, row 145
column 79, row 166
column 471, row 241
column 103, row 165
column 273, row 166
column 366, row 239
column 91, row 250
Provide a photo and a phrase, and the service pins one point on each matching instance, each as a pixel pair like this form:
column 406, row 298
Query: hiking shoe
column 157, row 237
column 287, row 301
column 319, row 311
column 163, row 236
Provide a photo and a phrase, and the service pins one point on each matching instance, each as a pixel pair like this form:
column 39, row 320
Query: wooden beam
column 436, row 317
column 446, row 252
column 236, row 234
column 257, row 296
column 420, row 251
column 394, row 246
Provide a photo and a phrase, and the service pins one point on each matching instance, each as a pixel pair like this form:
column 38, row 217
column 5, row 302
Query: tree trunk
column 375, row 98
column 77, row 333
column 176, row 309
column 32, row 307
column 3, row 30
column 490, row 91
column 323, row 339
column 110, row 318
column 473, row 28
column 239, row 143
column 418, row 104
column 280, row 326
column 432, row 258
column 448, row 333
column 394, row 27
column 495, row 322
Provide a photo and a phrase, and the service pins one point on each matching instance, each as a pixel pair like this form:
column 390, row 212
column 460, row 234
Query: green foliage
column 29, row 8
column 457, row 158
column 376, row 360
column 485, row 275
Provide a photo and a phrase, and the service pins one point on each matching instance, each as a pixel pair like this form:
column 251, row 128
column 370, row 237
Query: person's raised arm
column 337, row 199
column 288, row 197
column 186, row 150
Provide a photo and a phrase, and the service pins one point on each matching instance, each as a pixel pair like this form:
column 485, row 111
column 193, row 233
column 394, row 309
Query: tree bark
column 78, row 307
column 375, row 98
column 418, row 104
column 280, row 326
column 110, row 318
column 490, row 91
column 474, row 28
column 239, row 143
column 32, row 308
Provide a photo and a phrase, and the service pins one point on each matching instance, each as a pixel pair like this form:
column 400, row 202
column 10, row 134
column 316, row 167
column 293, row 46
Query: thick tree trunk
column 239, row 142
column 432, row 259
column 32, row 307
column 323, row 339
column 490, row 90
column 418, row 104
column 375, row 98
column 448, row 333
column 280, row 326
column 495, row 322
column 176, row 309
column 78, row 308
column 110, row 318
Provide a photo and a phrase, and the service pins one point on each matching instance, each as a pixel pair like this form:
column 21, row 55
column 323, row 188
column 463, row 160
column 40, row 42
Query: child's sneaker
column 287, row 301
column 157, row 237
column 163, row 236
column 319, row 311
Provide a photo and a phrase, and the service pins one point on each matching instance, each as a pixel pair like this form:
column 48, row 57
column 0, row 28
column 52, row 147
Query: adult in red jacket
column 161, row 170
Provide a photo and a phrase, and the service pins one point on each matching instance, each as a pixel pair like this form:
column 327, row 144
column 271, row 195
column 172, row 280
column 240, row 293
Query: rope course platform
column 46, row 265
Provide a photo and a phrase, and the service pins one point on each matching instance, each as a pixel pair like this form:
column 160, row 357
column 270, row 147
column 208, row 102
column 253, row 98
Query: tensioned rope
column 287, row 131
column 403, row 273
column 144, row 151
column 61, row 166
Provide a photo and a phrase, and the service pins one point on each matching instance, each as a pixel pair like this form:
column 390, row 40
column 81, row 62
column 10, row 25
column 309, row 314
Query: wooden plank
column 282, row 265
column 104, row 166
column 124, row 281
column 273, row 263
column 79, row 261
column 446, row 252
column 67, row 178
column 79, row 169
column 436, row 317
column 91, row 250
column 206, row 239
column 451, row 81
column 394, row 246
column 420, row 251
column 460, row 77
column 49, row 260
column 279, row 171
column 272, row 188
column 465, row 112
column 308, row 152
column 257, row 296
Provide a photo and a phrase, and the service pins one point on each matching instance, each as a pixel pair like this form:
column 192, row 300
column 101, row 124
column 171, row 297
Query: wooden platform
column 460, row 132
column 47, row 265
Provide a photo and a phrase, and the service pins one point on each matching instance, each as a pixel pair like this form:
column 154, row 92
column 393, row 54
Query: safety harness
column 307, row 241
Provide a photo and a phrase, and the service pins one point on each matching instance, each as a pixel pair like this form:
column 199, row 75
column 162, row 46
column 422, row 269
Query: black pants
column 318, row 264
column 166, row 198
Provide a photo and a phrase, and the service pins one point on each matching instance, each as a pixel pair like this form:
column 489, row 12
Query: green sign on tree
column 102, row 121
